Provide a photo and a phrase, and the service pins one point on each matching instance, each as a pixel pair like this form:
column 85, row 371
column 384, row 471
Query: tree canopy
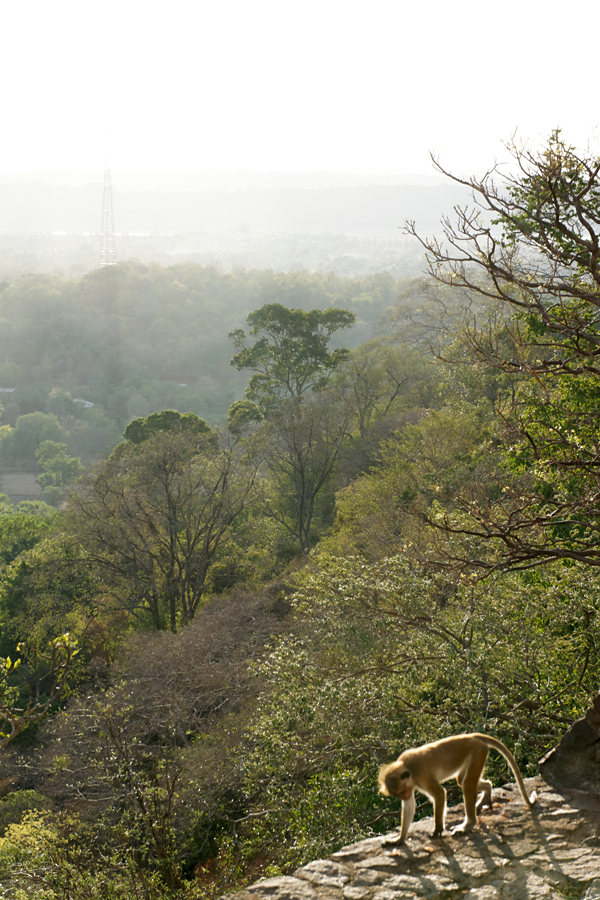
column 292, row 356
column 141, row 429
column 534, row 255
column 152, row 517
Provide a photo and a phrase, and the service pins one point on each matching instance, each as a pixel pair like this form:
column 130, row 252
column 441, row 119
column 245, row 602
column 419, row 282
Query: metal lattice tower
column 108, row 247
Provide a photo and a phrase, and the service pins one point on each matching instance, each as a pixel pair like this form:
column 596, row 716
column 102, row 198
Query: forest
column 300, row 523
column 138, row 338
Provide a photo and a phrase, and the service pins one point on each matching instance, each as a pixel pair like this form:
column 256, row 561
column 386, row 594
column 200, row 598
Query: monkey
column 463, row 757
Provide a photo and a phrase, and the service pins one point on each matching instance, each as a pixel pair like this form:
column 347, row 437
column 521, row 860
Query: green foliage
column 20, row 532
column 36, row 508
column 46, row 590
column 243, row 414
column 386, row 661
column 552, row 201
column 168, row 420
column 257, row 550
column 330, row 809
column 59, row 470
column 40, row 680
column 382, row 377
column 541, row 280
column 151, row 519
column 6, row 507
column 291, row 357
column 13, row 807
column 40, row 860
column 29, row 432
column 447, row 453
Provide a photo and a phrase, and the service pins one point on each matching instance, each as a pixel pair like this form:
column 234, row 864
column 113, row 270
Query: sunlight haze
column 324, row 86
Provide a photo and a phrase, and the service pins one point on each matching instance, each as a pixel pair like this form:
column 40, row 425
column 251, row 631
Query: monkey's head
column 395, row 781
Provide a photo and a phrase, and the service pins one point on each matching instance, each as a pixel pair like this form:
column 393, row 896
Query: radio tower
column 108, row 249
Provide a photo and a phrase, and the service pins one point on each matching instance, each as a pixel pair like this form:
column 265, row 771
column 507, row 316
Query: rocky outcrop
column 575, row 761
column 552, row 852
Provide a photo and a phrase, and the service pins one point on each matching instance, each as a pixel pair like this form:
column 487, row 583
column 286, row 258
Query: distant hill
column 360, row 209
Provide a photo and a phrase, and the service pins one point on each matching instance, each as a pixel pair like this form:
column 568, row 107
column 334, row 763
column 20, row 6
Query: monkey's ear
column 405, row 774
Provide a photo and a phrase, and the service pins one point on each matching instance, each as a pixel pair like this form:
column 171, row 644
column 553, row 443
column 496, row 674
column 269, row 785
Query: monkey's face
column 396, row 781
column 404, row 786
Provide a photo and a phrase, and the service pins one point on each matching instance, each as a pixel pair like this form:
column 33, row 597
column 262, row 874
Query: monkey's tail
column 499, row 746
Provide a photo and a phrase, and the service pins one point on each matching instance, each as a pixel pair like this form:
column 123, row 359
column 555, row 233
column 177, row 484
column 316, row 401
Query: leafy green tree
column 538, row 262
column 152, row 517
column 291, row 357
column 242, row 416
column 301, row 444
column 59, row 469
column 15, row 805
column 301, row 431
column 6, row 506
column 383, row 385
column 20, row 532
column 168, row 420
column 36, row 508
column 50, row 587
column 29, row 432
column 445, row 454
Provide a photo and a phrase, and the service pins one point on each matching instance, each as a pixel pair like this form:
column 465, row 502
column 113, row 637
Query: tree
column 536, row 259
column 301, row 443
column 168, row 420
column 20, row 532
column 373, row 378
column 291, row 357
column 59, row 469
column 152, row 518
column 425, row 466
column 302, row 429
column 383, row 384
column 30, row 430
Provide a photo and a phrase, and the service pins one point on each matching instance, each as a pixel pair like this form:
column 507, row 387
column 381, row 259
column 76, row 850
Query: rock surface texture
column 513, row 854
column 575, row 761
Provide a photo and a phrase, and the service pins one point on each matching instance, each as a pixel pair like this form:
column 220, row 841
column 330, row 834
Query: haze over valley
column 298, row 448
column 285, row 222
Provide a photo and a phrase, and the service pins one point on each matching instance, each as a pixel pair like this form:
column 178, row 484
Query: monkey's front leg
column 438, row 795
column 408, row 814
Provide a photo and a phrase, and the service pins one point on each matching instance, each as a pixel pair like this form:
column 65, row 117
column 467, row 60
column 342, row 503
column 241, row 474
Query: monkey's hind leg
column 485, row 789
column 471, row 783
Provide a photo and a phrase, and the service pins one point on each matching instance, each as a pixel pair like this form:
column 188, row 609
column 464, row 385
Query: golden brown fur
column 463, row 757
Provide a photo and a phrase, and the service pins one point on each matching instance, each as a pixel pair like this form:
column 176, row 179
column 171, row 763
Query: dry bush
column 202, row 671
column 152, row 761
column 165, row 691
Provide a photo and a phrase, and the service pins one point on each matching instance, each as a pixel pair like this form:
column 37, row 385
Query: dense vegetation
column 135, row 339
column 380, row 547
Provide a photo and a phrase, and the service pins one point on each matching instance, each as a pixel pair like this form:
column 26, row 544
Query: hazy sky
column 334, row 85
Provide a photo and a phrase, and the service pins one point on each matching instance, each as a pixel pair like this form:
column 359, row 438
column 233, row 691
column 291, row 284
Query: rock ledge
column 512, row 855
